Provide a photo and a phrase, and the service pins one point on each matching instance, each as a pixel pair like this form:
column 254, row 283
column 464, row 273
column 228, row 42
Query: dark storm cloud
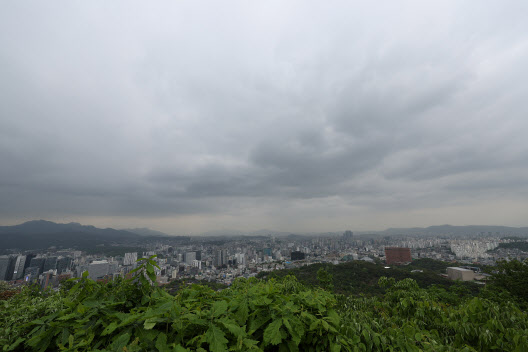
column 292, row 113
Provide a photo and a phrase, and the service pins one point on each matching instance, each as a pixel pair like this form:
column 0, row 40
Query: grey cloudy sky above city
column 296, row 116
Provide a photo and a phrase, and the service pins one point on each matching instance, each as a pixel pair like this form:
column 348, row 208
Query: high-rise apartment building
column 240, row 259
column 130, row 258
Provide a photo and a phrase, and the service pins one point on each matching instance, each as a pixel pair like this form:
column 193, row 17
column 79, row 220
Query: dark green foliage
column 512, row 277
column 325, row 279
column 255, row 315
column 359, row 277
column 432, row 265
column 250, row 315
column 408, row 318
column 174, row 286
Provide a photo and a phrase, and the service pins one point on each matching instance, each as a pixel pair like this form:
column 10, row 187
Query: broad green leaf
column 15, row 344
column 149, row 323
column 335, row 347
column 242, row 312
column 161, row 343
column 109, row 329
column 249, row 343
column 272, row 333
column 120, row 342
column 216, row 339
column 234, row 329
column 293, row 346
column 219, row 308
column 257, row 322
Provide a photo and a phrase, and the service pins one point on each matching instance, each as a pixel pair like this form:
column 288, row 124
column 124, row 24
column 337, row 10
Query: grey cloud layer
column 135, row 109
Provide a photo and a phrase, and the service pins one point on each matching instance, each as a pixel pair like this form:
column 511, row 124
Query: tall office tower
column 18, row 273
column 39, row 263
column 130, row 258
column 31, row 273
column 221, row 257
column 348, row 235
column 198, row 255
column 7, row 267
column 189, row 257
column 63, row 264
column 50, row 264
column 28, row 260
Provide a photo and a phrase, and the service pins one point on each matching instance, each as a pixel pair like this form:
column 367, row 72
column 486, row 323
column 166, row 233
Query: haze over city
column 187, row 117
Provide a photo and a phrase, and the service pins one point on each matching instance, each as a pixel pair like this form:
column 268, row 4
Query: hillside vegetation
column 359, row 277
column 255, row 315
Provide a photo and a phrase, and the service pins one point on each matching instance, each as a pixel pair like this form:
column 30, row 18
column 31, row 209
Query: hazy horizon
column 235, row 231
column 298, row 117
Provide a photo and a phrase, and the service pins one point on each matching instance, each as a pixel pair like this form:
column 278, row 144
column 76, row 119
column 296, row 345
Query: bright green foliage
column 408, row 318
column 255, row 315
column 359, row 277
column 251, row 315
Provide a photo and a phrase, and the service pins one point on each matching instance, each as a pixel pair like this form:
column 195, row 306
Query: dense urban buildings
column 222, row 259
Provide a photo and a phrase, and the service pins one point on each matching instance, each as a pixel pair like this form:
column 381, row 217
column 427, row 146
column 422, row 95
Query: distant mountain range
column 45, row 227
column 437, row 230
column 143, row 231
column 414, row 231
column 457, row 230
column 41, row 234
column 237, row 233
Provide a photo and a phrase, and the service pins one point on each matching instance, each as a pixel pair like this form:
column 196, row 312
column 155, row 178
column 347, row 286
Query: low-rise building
column 456, row 273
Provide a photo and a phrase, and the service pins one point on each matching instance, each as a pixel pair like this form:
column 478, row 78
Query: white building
column 456, row 273
column 130, row 259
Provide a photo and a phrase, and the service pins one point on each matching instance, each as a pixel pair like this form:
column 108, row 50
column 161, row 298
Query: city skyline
column 298, row 117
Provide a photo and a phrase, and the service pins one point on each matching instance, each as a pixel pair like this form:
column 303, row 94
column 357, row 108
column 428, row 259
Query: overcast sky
column 288, row 115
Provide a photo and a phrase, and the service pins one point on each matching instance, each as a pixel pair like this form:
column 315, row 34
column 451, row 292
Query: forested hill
column 41, row 234
column 359, row 277
column 451, row 230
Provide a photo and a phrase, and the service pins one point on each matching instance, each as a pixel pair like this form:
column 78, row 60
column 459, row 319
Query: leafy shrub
column 254, row 315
